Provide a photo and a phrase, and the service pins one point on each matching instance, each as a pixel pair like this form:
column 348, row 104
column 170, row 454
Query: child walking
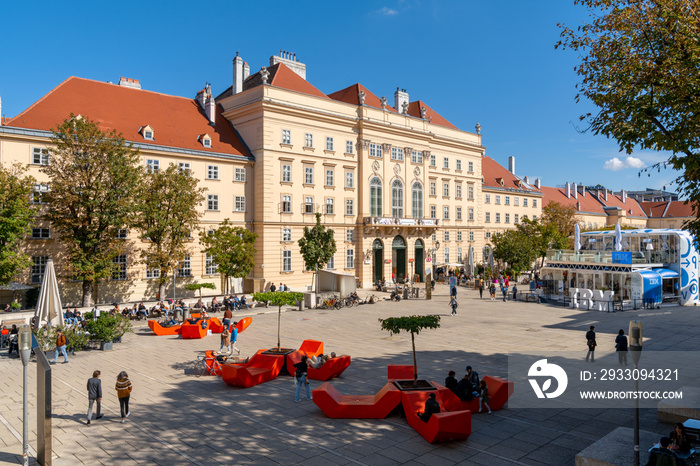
column 484, row 399
column 453, row 305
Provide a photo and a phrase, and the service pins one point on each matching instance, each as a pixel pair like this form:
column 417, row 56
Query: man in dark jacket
column 431, row 407
column 621, row 347
column 94, row 388
column 591, row 343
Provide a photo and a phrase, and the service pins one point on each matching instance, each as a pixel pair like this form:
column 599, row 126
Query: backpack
column 67, row 340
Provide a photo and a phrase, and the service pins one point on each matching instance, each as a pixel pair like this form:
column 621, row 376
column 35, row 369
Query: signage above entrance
column 622, row 257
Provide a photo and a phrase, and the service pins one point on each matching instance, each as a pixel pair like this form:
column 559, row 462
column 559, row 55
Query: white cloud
column 386, row 11
column 616, row 164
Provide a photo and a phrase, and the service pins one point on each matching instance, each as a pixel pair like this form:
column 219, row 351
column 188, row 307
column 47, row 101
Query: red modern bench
column 441, row 427
column 259, row 369
column 330, row 369
column 399, row 372
column 308, row 348
column 160, row 330
column 338, row 406
column 193, row 330
column 499, row 392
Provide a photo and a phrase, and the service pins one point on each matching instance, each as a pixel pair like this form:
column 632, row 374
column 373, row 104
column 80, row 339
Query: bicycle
column 206, row 364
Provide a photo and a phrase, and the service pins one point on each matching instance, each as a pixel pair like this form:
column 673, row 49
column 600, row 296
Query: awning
column 667, row 274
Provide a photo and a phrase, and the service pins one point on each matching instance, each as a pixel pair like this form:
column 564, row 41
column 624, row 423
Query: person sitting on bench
column 451, row 382
column 318, row 361
column 431, row 407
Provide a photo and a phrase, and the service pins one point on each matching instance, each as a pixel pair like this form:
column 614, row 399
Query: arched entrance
column 420, row 271
column 398, row 258
column 378, row 250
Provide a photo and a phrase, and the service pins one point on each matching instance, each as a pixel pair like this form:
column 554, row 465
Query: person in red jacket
column 60, row 347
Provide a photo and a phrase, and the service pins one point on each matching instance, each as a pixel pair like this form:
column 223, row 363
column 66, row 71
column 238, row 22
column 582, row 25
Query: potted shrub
column 123, row 326
column 77, row 340
column 103, row 330
column 15, row 306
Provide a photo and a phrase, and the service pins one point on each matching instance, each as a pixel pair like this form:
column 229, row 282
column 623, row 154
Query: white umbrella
column 48, row 308
column 618, row 237
column 577, row 238
column 491, row 257
column 470, row 261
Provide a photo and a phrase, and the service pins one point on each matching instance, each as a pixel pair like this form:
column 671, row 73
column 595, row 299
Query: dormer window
column 499, row 181
column 205, row 139
column 146, row 132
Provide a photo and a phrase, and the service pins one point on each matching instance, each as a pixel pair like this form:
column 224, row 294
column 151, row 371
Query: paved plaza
column 179, row 419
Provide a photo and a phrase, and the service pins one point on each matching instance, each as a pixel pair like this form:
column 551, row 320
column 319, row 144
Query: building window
column 212, row 172
column 122, row 233
column 396, row 153
column 240, row 175
column 534, row 219
column 417, row 200
column 470, row 214
column 446, row 213
column 434, row 236
column 375, row 150
column 447, row 236
column 308, row 140
column 488, row 235
column 458, row 191
column 329, row 177
column 349, row 180
column 286, row 204
column 185, row 269
column 471, row 236
column 433, row 212
column 446, row 189
column 397, row 199
column 498, row 200
column 458, row 163
column 239, row 204
column 516, row 201
column 498, row 217
column 375, row 197
column 487, row 217
column 433, row 188
column 349, row 207
column 40, row 233
column 349, row 235
column 470, row 192
column 206, row 142
column 119, row 272
column 148, row 134
column 507, row 218
column 309, row 175
column 445, row 162
column 331, row 263
column 534, row 203
column 152, row 165
column 433, row 162
column 152, row 273
column 286, row 136
column 416, row 156
column 459, row 235
column 487, row 199
column 458, row 213
column 213, row 202
column 184, row 167
column 507, row 200
column 286, row 234
column 38, row 268
column 329, row 143
column 286, row 261
column 471, row 167
column 348, row 147
column 308, row 205
column 40, row 156
column 459, row 255
column 447, row 255
column 349, row 258
column 515, row 219
column 524, row 202
column 209, row 265
column 286, row 173
column 330, row 206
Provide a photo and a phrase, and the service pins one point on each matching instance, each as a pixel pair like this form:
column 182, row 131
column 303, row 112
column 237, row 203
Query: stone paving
column 179, row 419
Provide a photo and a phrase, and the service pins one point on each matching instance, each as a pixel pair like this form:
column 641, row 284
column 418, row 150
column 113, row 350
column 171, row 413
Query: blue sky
column 472, row 61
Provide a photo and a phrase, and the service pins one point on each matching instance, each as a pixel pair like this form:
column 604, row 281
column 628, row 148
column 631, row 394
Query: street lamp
column 635, row 335
column 25, row 351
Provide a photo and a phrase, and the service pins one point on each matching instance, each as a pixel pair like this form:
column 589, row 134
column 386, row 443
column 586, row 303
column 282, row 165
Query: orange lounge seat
column 441, row 427
column 210, row 363
column 337, row 406
column 160, row 330
column 215, row 325
column 499, row 392
column 193, row 330
column 308, row 348
column 330, row 369
column 399, row 372
column 244, row 323
column 259, row 369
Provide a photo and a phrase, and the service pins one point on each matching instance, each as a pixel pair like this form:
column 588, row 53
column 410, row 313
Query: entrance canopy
column 667, row 273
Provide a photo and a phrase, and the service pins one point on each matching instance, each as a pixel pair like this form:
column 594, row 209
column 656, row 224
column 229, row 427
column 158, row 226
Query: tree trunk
column 87, row 292
column 161, row 291
column 415, row 364
column 279, row 320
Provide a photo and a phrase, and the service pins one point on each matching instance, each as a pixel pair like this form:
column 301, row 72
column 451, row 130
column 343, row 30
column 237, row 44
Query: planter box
column 106, row 345
column 117, row 340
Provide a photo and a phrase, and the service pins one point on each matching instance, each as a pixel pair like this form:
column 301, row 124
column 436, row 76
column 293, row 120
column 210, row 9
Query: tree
column 515, row 248
column 562, row 217
column 167, row 205
column 232, row 249
column 94, row 176
column 639, row 66
column 413, row 324
column 16, row 215
column 317, row 246
column 199, row 286
column 279, row 299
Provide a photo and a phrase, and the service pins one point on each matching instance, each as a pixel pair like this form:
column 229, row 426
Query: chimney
column 567, row 189
column 605, row 194
column 537, row 183
column 237, row 75
column 289, row 59
column 526, row 179
column 246, row 71
column 129, row 82
column 511, row 164
column 583, row 191
column 400, row 97
column 574, row 188
column 624, row 196
column 578, row 207
column 210, row 106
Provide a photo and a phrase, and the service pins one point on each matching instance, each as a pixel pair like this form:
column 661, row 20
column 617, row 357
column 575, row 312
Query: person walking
column 453, row 305
column 228, row 315
column 225, row 340
column 234, row 337
column 621, row 347
column 591, row 343
column 300, row 379
column 94, row 388
column 481, row 288
column 493, row 291
column 123, row 389
column 515, row 291
column 484, row 398
column 504, row 290
column 61, row 343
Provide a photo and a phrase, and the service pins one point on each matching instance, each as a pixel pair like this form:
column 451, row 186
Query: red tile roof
column 587, row 203
column 176, row 121
column 492, row 173
column 432, row 116
column 350, row 95
column 666, row 209
column 286, row 78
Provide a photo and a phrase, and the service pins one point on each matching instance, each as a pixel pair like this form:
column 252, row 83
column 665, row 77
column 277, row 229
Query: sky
column 492, row 63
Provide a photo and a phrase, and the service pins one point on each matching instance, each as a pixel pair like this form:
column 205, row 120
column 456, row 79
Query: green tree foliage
column 639, row 66
column 279, row 299
column 232, row 249
column 94, row 177
column 412, row 324
column 16, row 215
column 562, row 217
column 317, row 246
column 199, row 286
column 514, row 247
column 167, row 205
